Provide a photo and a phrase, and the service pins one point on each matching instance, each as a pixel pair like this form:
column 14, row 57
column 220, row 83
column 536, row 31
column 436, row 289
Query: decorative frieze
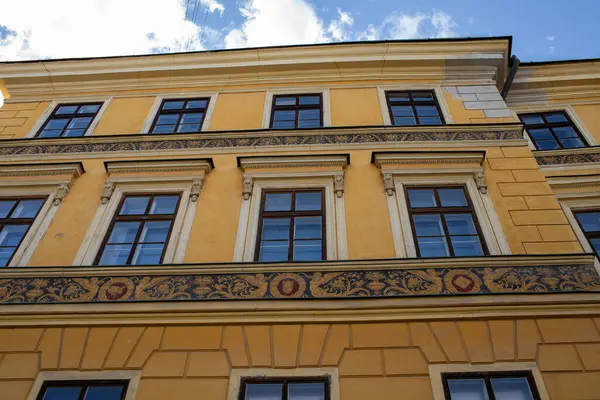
column 327, row 160
column 568, row 157
column 428, row 157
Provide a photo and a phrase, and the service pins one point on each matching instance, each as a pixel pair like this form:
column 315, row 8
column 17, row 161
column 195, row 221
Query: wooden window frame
column 296, row 108
column 284, row 381
column 54, row 115
column 20, row 221
column 141, row 218
column 292, row 214
column 84, row 384
column 443, row 210
column 487, row 376
column 181, row 112
column 550, row 126
column 588, row 235
column 413, row 104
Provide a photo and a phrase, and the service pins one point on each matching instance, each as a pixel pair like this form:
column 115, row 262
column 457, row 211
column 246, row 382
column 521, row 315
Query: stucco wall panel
column 237, row 111
column 124, row 116
column 354, row 107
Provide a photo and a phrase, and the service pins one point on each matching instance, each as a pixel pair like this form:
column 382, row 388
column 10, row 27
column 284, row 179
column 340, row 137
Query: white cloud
column 339, row 28
column 87, row 28
column 471, row 21
column 550, row 38
column 437, row 24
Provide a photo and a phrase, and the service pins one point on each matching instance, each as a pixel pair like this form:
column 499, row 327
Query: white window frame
column 212, row 100
column 132, row 376
column 233, row 392
column 325, row 107
column 436, row 371
column 54, row 104
column 439, row 94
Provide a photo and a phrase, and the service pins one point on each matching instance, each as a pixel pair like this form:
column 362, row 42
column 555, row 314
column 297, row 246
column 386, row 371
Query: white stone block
column 484, row 105
column 489, row 97
column 477, row 89
column 498, row 113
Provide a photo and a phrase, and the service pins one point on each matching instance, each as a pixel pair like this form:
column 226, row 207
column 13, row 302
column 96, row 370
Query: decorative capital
column 338, row 186
column 247, row 186
column 388, row 184
column 61, row 193
column 107, row 193
column 196, row 189
column 480, row 182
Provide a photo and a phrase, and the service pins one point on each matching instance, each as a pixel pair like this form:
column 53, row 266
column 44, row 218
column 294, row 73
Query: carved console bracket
column 247, row 187
column 61, row 193
column 480, row 182
column 196, row 189
column 109, row 189
column 338, row 186
column 388, row 184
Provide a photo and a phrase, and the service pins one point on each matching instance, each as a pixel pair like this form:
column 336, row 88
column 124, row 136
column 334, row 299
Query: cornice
column 73, row 170
column 429, row 157
column 574, row 181
column 151, row 166
column 328, row 160
column 585, row 156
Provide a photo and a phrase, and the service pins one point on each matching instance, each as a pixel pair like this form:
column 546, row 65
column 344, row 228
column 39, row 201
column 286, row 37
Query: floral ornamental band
column 302, row 285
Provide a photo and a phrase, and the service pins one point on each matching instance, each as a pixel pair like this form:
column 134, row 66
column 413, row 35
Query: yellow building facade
column 398, row 219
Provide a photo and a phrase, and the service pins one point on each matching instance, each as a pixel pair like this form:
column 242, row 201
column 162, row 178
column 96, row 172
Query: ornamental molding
column 568, row 157
column 73, row 170
column 429, row 157
column 329, row 160
column 123, row 167
column 574, row 181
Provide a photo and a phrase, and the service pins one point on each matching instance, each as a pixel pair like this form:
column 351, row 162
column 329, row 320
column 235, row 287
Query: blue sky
column 542, row 30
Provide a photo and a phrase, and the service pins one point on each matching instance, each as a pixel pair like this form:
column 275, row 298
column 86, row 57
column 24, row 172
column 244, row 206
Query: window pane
column 263, row 391
column 164, row 205
column 540, row 134
column 511, row 389
column 5, row 255
column 191, row 118
column 124, row 232
column 311, row 123
column 284, row 116
column 278, row 202
column 421, row 198
column 460, row 224
column 532, row 119
column 308, row 201
column 115, row 254
column 167, row 119
column 404, row 121
column 556, row 117
column 427, row 111
column 11, row 235
column 164, row 129
column 173, row 105
column 307, row 250
column 56, row 124
column 564, row 132
column 596, row 245
column 74, row 132
column 27, row 208
column 452, row 197
column 92, row 109
column 196, row 104
column 49, row 133
column 274, row 251
column 467, row 389
column 547, row 144
column 428, row 225
column 134, row 205
column 307, row 228
column 66, row 110
column 284, row 125
column 147, row 254
column 422, row 96
column 275, row 229
column 402, row 111
column 80, row 123
column 430, row 120
column 399, row 97
column 306, row 391
column 304, row 100
column 62, row 393
column 310, row 114
column 589, row 221
column 188, row 128
column 155, row 231
column 104, row 393
column 5, row 207
column 285, row 101
column 465, row 246
column 433, row 247
column 572, row 143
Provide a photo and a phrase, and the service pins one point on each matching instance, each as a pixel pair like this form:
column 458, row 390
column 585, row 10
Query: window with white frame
column 297, row 108
column 188, row 113
column 85, row 385
column 69, row 119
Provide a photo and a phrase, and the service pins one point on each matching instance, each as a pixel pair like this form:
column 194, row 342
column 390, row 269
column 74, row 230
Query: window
column 180, row 116
column 297, row 111
column 83, row 390
column 284, row 389
column 292, row 226
column 490, row 386
column 589, row 221
column 69, row 120
column 139, row 231
column 443, row 222
column 552, row 130
column 16, row 217
column 414, row 108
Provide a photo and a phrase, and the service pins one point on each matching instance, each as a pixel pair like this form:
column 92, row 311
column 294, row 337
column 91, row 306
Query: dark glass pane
column 196, row 104
column 164, row 205
column 91, row 109
column 310, row 114
column 427, row 111
column 399, row 97
column 74, row 132
column 27, row 208
column 62, row 393
column 304, row 100
column 80, row 123
column 164, row 129
column 191, row 118
column 308, row 228
column 511, row 389
column 135, row 205
column 155, row 231
column 404, row 121
column 465, row 246
column 11, row 235
column 273, row 251
column 540, row 134
column 589, row 221
column 460, row 224
column 422, row 96
column 5, row 255
column 468, row 389
column 596, row 245
column 188, row 128
column 284, row 125
column 104, row 393
column 433, row 247
column 5, row 207
column 311, row 123
column 452, row 197
column 285, row 101
column 263, row 391
column 564, row 132
column 278, row 202
column 147, row 254
column 275, row 229
column 115, row 254
column 402, row 111
column 556, row 117
column 421, row 198
column 572, row 143
column 56, row 124
column 428, row 224
column 308, row 201
column 49, row 133
column 547, row 144
column 532, row 119
column 281, row 115
column 430, row 121
column 167, row 119
column 306, row 391
column 173, row 105
column 124, row 232
column 66, row 110
column 307, row 250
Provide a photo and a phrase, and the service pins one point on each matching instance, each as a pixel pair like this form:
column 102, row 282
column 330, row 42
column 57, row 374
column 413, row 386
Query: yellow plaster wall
column 590, row 116
column 124, row 116
column 17, row 119
column 238, row 111
column 373, row 359
column 352, row 107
